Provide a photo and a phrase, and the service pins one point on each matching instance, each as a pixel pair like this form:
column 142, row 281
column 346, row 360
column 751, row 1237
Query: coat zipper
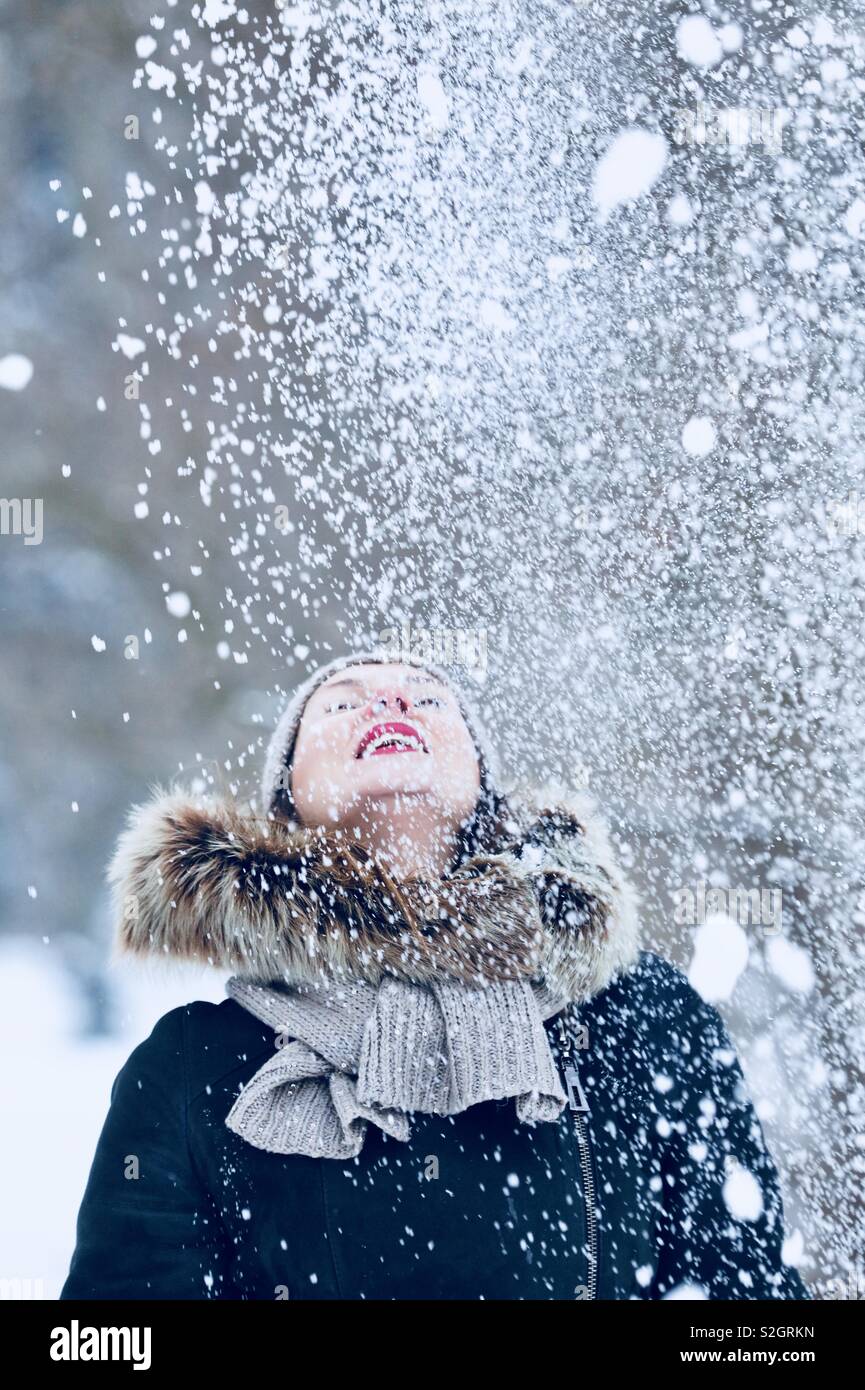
column 578, row 1105
column 589, row 1190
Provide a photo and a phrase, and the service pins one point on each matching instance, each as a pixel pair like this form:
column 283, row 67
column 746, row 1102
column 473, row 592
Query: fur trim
column 198, row 879
column 593, row 905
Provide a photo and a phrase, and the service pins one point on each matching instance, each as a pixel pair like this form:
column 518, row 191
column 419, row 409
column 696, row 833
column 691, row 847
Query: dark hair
column 490, row 827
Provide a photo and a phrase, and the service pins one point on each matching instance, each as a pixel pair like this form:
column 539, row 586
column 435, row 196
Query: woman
column 445, row 1068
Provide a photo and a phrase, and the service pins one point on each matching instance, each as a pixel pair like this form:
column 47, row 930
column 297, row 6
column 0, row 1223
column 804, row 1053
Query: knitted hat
column 280, row 750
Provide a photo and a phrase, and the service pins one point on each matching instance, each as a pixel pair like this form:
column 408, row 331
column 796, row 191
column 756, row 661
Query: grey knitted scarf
column 350, row 1054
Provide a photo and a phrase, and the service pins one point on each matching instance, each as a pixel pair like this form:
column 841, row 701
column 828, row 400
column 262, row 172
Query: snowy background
column 541, row 322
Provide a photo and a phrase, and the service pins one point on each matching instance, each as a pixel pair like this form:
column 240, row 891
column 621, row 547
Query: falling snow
column 430, row 317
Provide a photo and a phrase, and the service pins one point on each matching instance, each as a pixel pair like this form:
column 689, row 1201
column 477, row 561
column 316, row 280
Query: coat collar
column 201, row 879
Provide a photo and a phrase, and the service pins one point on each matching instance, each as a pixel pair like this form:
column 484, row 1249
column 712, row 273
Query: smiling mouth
column 392, row 737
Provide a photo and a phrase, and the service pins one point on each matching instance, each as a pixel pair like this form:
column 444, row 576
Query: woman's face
column 373, row 733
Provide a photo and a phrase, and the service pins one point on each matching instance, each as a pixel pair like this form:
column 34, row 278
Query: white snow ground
column 54, row 1094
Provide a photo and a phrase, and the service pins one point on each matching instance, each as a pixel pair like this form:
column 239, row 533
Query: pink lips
column 391, row 727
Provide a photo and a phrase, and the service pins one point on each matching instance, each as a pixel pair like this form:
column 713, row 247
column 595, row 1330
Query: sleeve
column 147, row 1226
column 722, row 1227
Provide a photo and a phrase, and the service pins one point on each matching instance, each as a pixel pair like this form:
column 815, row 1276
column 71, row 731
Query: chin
column 400, row 786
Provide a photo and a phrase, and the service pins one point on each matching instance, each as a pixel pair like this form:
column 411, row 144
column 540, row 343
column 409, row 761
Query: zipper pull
column 576, row 1095
column 564, row 1038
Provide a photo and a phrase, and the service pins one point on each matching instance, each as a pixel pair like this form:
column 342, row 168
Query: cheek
column 319, row 751
column 459, row 754
column 321, row 741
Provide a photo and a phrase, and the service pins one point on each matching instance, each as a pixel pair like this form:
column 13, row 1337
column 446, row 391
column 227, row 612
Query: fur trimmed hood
column 202, row 879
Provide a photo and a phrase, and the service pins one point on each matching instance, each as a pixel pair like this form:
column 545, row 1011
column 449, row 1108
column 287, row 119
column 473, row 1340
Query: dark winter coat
column 662, row 1185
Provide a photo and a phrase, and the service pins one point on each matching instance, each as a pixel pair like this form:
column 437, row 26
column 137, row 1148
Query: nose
column 392, row 697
